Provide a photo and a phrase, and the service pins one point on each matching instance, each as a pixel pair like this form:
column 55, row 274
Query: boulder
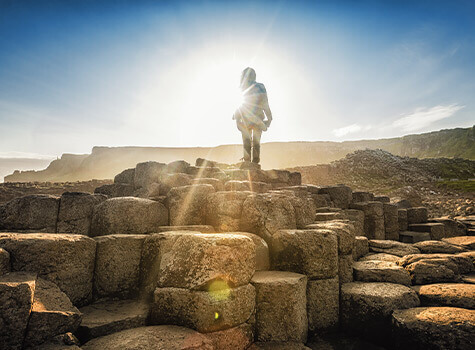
column 380, row 257
column 281, row 310
column 304, row 210
column 111, row 316
column 464, row 241
column 341, row 195
column 115, row 190
column 195, row 261
column 178, row 166
column 345, row 268
column 345, row 232
column 187, row 204
column 435, row 229
column 208, row 172
column 16, row 298
column 52, row 314
column 437, row 328
column 224, row 210
column 206, row 311
column 361, row 247
column 323, row 304
column 391, row 225
column 366, row 308
column 264, row 214
column 278, row 176
column 373, row 218
column 380, row 271
column 253, row 186
column 147, row 173
column 447, row 294
column 194, row 228
column 125, row 177
column 402, row 219
column 169, row 181
column 75, row 212
column 416, row 215
column 360, row 196
column 310, row 252
column 391, row 247
column 431, row 247
column 463, row 264
column 128, row 215
column 413, row 236
column 216, row 183
column 152, row 337
column 262, row 251
column 433, row 271
column 236, row 338
column 117, row 270
column 4, row 262
column 36, row 212
column 356, row 217
column 64, row 259
column 452, row 228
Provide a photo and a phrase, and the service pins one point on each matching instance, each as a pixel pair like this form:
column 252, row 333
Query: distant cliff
column 105, row 162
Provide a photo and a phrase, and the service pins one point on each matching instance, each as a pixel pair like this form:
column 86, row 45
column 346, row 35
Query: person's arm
column 266, row 108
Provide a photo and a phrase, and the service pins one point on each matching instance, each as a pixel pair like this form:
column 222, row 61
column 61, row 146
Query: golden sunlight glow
column 219, row 289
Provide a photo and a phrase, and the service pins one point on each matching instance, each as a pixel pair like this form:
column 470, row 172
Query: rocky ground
column 445, row 186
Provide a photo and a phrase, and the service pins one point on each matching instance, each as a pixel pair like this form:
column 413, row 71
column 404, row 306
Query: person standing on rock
column 251, row 115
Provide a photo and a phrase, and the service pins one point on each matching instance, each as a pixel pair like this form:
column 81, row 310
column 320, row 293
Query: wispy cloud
column 423, row 117
column 350, row 129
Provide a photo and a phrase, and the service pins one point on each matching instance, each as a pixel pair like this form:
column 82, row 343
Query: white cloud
column 423, row 117
column 350, row 129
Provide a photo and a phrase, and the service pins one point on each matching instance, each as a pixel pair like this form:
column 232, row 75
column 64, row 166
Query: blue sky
column 75, row 74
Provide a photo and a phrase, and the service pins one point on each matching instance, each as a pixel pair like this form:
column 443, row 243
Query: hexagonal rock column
column 323, row 304
column 128, row 215
column 310, row 252
column 75, row 212
column 187, row 204
column 36, row 212
column 361, row 247
column 374, row 218
column 341, row 195
column 204, row 310
column 435, row 229
column 433, row 328
column 345, row 268
column 453, row 228
column 345, row 232
column 16, row 298
column 224, row 210
column 52, row 314
column 356, row 217
column 366, row 308
column 402, row 219
column 117, row 269
column 147, row 173
column 391, row 225
column 262, row 251
column 360, row 196
column 380, row 271
column 168, row 181
column 416, row 215
column 281, row 310
column 64, row 259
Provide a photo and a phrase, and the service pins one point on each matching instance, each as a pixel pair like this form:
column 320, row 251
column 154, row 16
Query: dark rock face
column 125, row 177
column 116, row 190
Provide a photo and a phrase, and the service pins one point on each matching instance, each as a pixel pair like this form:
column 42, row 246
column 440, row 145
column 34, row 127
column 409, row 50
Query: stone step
column 111, row 316
column 327, row 216
column 433, row 328
column 380, row 271
column 328, row 210
column 465, row 241
column 447, row 294
column 435, row 229
column 391, row 247
column 196, row 228
column 414, row 237
column 380, row 257
column 432, row 247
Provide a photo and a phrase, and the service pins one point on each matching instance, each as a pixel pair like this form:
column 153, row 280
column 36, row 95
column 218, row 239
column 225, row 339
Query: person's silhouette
column 250, row 116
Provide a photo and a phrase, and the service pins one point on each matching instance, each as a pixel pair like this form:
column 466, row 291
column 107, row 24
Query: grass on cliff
column 460, row 185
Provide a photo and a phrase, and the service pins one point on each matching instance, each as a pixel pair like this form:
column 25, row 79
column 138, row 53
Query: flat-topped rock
column 64, row 259
column 111, row 316
column 453, row 228
column 125, row 177
column 417, row 215
column 366, row 308
column 323, row 304
column 413, row 236
column 16, row 299
column 213, row 310
column 216, row 183
column 341, row 195
column 380, row 257
column 447, row 294
column 345, row 232
column 360, row 196
column 52, row 314
column 433, row 328
column 128, row 215
column 391, row 247
column 147, row 173
column 169, row 181
column 380, row 271
column 435, row 229
column 461, row 263
column 281, row 306
column 152, row 337
column 431, row 247
column 253, row 186
column 224, row 210
column 361, row 247
column 464, row 241
column 187, row 204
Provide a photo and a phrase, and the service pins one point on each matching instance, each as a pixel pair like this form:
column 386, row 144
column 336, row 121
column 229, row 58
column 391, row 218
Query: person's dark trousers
column 251, row 140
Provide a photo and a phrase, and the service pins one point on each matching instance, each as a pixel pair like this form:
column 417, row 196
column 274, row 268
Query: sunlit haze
column 77, row 74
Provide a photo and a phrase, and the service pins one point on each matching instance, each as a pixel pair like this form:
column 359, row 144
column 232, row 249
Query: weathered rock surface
column 224, row 210
column 52, row 314
column 391, row 225
column 195, row 228
column 75, row 212
column 361, row 247
column 452, row 228
column 64, row 259
column 194, row 261
column 464, row 241
column 32, row 212
column 111, row 316
column 125, row 177
column 380, row 271
column 435, row 229
column 216, row 183
column 431, row 247
column 16, row 299
column 447, row 294
column 262, row 251
column 433, row 328
column 433, row 265
column 169, row 181
column 281, row 310
column 310, row 252
column 205, row 311
column 117, row 270
column 391, row 247
column 366, row 308
column 152, row 337
column 416, row 215
column 187, row 204
column 402, row 219
column 323, row 304
column 341, row 195
column 360, row 196
column 380, row 257
column 373, row 218
column 236, row 338
column 115, row 190
column 128, row 215
column 178, row 166
column 414, row 237
column 4, row 262
column 345, row 268
column 345, row 232
column 147, row 173
column 356, row 217
column 253, row 186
